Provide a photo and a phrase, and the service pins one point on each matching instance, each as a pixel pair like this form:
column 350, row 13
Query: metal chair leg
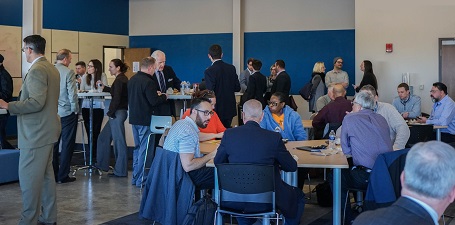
column 145, row 160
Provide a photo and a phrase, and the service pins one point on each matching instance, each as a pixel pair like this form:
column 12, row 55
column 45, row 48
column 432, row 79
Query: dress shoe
column 67, row 180
column 114, row 175
column 42, row 223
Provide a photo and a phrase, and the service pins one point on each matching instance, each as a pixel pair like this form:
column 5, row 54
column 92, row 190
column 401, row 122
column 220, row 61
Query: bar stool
column 83, row 151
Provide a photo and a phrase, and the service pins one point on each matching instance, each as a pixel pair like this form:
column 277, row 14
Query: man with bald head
column 164, row 78
column 325, row 99
column 333, row 113
column 252, row 144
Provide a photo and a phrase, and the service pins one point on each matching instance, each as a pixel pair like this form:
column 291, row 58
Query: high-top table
column 180, row 97
column 305, row 159
column 90, row 96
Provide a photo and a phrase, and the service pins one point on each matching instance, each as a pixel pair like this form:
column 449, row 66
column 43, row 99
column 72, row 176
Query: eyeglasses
column 352, row 103
column 273, row 103
column 206, row 112
column 339, row 62
column 90, row 66
column 23, row 49
column 433, row 91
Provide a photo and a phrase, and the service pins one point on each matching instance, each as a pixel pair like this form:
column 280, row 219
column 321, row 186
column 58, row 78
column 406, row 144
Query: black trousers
column 203, row 178
column 356, row 178
column 68, row 139
column 226, row 122
column 5, row 144
column 98, row 115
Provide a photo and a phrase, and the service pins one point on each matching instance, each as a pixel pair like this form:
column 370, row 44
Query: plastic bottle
column 332, row 140
column 182, row 88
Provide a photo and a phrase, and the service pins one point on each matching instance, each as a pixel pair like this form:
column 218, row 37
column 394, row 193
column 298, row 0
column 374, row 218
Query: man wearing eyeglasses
column 443, row 112
column 38, row 129
column 183, row 138
column 245, row 75
column 337, row 75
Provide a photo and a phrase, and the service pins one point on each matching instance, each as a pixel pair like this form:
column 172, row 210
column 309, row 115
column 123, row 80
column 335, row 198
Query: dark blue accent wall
column 11, row 12
column 109, row 17
column 300, row 50
column 187, row 54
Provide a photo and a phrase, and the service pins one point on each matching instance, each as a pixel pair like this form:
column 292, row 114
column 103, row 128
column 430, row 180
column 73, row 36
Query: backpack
column 324, row 194
column 201, row 212
column 306, row 91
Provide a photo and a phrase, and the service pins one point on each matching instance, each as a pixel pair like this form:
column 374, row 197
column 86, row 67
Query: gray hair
column 370, row 89
column 252, row 109
column 156, row 53
column 365, row 99
column 62, row 54
column 430, row 170
column 147, row 61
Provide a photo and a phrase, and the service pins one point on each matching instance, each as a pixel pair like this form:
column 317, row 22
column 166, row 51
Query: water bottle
column 332, row 140
column 182, row 88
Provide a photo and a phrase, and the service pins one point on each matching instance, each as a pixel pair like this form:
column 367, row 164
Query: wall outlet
column 421, row 87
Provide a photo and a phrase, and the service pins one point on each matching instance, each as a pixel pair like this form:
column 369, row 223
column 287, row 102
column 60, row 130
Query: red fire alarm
column 388, row 47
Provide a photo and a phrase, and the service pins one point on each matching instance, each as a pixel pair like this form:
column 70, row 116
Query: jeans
column 140, row 135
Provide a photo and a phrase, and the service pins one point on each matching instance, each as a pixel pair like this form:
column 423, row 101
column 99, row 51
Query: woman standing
column 88, row 81
column 115, row 127
column 368, row 76
column 318, row 81
column 270, row 81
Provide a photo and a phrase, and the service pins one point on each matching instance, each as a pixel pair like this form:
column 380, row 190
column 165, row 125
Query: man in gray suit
column 38, row 129
column 67, row 110
column 428, row 182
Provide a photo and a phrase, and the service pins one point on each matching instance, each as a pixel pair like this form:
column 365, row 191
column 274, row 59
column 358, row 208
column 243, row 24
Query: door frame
column 122, row 48
column 440, row 54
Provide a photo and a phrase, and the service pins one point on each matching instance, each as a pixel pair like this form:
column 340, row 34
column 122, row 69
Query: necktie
column 162, row 83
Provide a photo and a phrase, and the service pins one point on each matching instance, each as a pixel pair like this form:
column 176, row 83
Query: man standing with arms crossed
column 67, row 110
column 38, row 129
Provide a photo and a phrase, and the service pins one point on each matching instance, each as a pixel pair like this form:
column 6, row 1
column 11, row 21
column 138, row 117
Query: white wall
column 414, row 28
column 180, row 17
column 298, row 15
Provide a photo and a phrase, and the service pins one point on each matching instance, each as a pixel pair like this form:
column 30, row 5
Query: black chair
column 246, row 183
column 419, row 133
column 332, row 126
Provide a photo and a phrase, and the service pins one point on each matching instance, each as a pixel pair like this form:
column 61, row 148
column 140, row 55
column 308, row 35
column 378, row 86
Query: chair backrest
column 419, row 133
column 251, row 183
column 331, row 126
column 159, row 124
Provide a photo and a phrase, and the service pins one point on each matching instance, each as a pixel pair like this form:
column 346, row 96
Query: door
column 446, row 65
column 133, row 57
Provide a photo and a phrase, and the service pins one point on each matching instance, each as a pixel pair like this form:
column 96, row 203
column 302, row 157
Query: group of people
column 47, row 111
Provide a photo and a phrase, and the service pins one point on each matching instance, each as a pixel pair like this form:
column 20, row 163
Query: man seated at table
column 183, row 138
column 364, row 136
column 325, row 99
column 251, row 144
column 407, row 105
column 428, row 182
column 398, row 129
column 334, row 112
column 443, row 112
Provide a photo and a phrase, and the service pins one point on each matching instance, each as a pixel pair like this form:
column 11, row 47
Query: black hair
column 122, row 65
column 36, row 43
column 215, row 51
column 440, row 86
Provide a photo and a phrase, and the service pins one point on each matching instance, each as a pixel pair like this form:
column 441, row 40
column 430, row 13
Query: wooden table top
column 306, row 159
column 307, row 123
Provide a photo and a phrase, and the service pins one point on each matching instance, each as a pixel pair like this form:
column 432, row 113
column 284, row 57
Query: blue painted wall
column 187, row 54
column 300, row 50
column 11, row 12
column 109, row 17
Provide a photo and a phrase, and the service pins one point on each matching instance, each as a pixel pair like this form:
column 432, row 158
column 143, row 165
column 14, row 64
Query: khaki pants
column 36, row 177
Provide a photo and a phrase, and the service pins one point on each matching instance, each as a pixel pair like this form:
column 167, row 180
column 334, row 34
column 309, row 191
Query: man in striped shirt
column 183, row 138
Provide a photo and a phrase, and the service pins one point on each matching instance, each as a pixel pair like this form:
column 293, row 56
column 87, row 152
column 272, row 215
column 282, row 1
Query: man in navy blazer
column 428, row 182
column 252, row 144
column 282, row 81
column 222, row 78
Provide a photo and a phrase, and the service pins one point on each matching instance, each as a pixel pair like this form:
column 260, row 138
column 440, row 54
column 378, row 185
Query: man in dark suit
column 222, row 78
column 257, row 85
column 38, row 128
column 282, row 81
column 164, row 78
column 252, row 144
column 428, row 182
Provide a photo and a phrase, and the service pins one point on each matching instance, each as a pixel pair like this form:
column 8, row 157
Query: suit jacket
column 166, row 108
column 257, row 85
column 403, row 211
column 67, row 102
column 38, row 123
column 282, row 84
column 252, row 144
column 223, row 80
